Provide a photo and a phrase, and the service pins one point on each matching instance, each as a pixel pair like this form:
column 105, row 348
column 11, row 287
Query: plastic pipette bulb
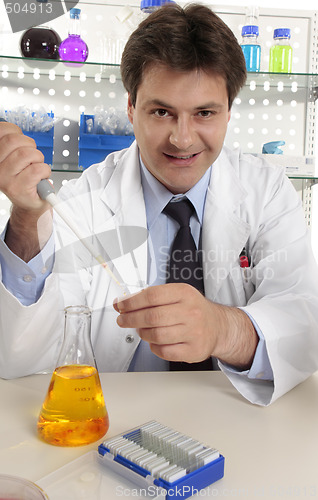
column 46, row 192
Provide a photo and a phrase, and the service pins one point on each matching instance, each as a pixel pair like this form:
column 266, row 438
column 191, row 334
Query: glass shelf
column 289, row 80
column 303, row 177
column 72, row 168
column 13, row 64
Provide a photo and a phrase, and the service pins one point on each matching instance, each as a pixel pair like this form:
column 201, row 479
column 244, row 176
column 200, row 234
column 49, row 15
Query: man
column 182, row 69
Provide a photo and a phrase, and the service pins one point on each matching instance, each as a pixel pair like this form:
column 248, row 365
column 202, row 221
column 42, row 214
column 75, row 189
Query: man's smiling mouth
column 182, row 157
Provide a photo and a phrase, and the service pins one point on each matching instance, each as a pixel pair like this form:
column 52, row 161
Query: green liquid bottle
column 281, row 53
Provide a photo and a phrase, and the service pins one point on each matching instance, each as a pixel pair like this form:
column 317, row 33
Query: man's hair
column 184, row 39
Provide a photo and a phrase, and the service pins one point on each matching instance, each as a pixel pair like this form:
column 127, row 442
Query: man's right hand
column 21, row 169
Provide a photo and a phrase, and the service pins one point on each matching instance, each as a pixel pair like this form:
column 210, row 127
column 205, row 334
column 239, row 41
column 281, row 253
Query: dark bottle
column 40, row 42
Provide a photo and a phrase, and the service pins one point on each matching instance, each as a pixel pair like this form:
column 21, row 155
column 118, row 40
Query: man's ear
column 130, row 110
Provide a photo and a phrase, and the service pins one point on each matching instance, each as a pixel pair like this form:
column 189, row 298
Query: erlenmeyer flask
column 74, row 411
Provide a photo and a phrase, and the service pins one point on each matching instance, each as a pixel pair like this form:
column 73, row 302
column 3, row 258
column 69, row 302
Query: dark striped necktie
column 185, row 265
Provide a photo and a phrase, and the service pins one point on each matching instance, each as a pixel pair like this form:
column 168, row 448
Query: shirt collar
column 157, row 196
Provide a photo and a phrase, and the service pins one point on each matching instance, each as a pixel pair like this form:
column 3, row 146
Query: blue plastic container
column 44, row 142
column 93, row 148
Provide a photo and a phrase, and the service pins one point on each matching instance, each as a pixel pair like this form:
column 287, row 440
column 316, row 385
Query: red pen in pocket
column 244, row 262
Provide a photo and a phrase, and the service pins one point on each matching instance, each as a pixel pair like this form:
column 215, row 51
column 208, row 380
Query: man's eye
column 161, row 112
column 205, row 113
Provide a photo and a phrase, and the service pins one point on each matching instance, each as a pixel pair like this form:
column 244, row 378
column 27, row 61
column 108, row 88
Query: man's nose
column 182, row 134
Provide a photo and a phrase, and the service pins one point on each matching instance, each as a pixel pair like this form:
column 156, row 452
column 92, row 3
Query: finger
column 165, row 335
column 188, row 350
column 20, row 160
column 152, row 317
column 9, row 128
column 21, row 188
column 118, row 300
column 29, row 177
column 21, row 167
column 176, row 352
column 153, row 296
column 14, row 142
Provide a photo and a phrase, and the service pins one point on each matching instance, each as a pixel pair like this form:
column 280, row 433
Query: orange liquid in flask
column 74, row 411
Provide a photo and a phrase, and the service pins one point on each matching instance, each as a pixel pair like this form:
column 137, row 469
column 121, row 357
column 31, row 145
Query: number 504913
column 28, row 8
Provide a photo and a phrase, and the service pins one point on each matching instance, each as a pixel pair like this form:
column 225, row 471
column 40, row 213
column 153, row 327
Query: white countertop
column 269, row 452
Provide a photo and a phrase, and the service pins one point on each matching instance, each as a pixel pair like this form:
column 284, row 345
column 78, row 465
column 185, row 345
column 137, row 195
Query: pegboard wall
column 269, row 108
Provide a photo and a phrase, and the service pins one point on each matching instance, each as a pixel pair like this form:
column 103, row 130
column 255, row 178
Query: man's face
column 180, row 121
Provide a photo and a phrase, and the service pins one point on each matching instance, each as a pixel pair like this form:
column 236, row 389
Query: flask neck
column 76, row 347
column 74, row 27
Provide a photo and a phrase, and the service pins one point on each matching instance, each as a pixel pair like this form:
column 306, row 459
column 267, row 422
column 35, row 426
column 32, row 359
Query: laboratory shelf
column 29, row 66
column 18, row 64
column 268, row 80
column 270, row 106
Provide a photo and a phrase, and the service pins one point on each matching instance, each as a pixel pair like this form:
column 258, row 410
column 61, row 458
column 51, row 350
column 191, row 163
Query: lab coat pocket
column 242, row 282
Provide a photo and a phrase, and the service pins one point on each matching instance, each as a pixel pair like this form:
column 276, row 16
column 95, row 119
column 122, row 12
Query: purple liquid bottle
column 73, row 48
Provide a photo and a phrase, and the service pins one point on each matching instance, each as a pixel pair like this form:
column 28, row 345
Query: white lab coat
column 250, row 203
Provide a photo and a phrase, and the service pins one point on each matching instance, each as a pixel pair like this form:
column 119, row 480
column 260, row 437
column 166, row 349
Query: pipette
column 46, row 192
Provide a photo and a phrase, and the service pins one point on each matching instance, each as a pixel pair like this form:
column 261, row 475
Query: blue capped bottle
column 281, row 53
column 251, row 48
column 73, row 48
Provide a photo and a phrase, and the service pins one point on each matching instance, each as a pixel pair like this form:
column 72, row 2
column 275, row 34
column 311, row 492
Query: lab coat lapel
column 224, row 233
column 123, row 197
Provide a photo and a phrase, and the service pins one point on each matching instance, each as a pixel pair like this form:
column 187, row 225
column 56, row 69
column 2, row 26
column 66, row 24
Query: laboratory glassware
column 40, row 42
column 73, row 48
column 74, row 411
column 281, row 53
column 251, row 48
